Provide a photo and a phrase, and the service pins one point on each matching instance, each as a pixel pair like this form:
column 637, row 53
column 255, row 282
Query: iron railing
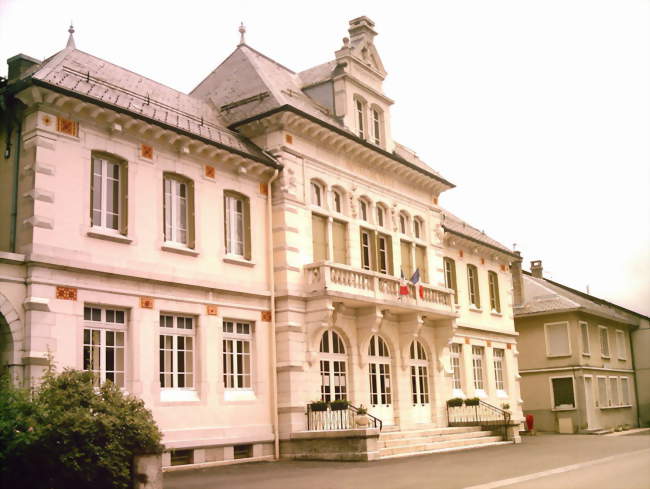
column 335, row 419
column 481, row 414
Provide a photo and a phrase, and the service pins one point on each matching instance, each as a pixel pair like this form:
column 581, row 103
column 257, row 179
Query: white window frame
column 621, row 346
column 376, row 116
column 336, row 372
column 174, row 392
column 104, row 181
column 586, row 346
column 478, row 370
column 499, row 364
column 456, row 364
column 546, row 339
column 173, row 219
column 417, row 228
column 360, row 117
column 235, row 225
column 573, row 387
column 473, row 287
column 403, row 223
column 379, row 371
column 237, row 332
column 103, row 326
column 419, row 369
column 600, row 336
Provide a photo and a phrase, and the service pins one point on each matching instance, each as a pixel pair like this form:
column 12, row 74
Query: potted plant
column 472, row 401
column 361, row 418
column 455, row 402
column 318, row 406
column 339, row 405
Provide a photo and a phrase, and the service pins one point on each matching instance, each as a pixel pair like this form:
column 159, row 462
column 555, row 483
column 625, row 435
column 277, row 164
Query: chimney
column 536, row 268
column 19, row 64
column 517, row 281
column 361, row 29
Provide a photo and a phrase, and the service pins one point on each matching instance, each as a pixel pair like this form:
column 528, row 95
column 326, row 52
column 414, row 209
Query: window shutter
column 124, row 200
column 93, row 162
column 319, row 237
column 421, row 261
column 373, row 252
column 247, row 229
column 339, row 238
column 558, row 339
column 405, row 255
column 191, row 218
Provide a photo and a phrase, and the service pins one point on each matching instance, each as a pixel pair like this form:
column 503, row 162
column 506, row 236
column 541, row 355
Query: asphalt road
column 625, row 464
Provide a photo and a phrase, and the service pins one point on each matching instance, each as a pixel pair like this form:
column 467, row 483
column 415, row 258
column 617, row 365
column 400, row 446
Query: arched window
column 360, row 116
column 403, row 223
column 419, row 374
column 381, row 215
column 379, row 372
column 178, row 210
column 472, row 286
column 363, row 209
column 417, row 228
column 237, row 224
column 316, row 193
column 332, row 367
column 337, row 201
column 377, row 124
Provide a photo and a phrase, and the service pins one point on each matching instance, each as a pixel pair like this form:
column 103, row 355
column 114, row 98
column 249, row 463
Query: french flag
column 415, row 279
column 403, row 286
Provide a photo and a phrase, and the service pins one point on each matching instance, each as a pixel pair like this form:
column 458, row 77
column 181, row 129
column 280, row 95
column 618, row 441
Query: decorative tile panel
column 212, row 310
column 146, row 302
column 266, row 316
column 146, row 151
column 210, row 171
column 503, row 268
column 66, row 126
column 461, row 253
column 264, row 188
column 66, row 293
column 288, row 138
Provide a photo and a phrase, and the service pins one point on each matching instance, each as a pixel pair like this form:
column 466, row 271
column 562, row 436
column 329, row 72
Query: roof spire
column 242, row 32
column 71, row 38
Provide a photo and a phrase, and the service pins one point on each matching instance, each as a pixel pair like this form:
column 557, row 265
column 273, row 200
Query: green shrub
column 70, row 434
column 455, row 402
column 472, row 401
column 339, row 405
column 318, row 406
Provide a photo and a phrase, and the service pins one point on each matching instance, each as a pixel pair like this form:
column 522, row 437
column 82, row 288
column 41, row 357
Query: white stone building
column 234, row 254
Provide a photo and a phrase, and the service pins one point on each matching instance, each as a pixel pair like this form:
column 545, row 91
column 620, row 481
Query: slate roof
column 455, row 225
column 98, row 81
column 542, row 295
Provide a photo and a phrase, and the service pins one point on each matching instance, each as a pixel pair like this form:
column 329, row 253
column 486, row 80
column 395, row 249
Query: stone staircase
column 393, row 444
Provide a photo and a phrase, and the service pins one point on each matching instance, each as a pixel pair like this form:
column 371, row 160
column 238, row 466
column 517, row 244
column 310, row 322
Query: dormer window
column 361, row 118
column 376, row 116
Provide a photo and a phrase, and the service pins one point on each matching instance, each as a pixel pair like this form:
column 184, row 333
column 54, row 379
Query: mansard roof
column 79, row 74
column 542, row 295
column 456, row 226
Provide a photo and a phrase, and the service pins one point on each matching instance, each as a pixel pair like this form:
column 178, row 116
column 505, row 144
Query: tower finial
column 71, row 37
column 242, row 32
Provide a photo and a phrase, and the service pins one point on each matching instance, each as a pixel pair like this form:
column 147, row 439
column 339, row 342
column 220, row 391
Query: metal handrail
column 499, row 416
column 334, row 419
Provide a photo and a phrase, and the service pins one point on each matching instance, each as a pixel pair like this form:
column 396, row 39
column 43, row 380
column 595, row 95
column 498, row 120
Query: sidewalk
column 454, row 470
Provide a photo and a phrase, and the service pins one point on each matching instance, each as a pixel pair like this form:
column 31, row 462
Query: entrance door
column 332, row 367
column 381, row 399
column 421, row 409
column 590, row 407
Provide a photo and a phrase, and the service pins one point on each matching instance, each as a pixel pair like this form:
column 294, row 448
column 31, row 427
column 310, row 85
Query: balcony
column 364, row 287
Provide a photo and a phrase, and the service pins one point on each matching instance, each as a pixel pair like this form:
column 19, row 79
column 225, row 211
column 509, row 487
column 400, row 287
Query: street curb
column 628, row 432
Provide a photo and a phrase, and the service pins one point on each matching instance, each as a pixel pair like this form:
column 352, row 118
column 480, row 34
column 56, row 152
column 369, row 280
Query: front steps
column 393, row 444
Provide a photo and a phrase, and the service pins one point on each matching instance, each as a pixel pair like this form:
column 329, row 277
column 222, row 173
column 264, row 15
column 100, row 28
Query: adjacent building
column 234, row 254
column 577, row 361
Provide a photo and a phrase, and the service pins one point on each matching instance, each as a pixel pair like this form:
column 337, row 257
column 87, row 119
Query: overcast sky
column 539, row 111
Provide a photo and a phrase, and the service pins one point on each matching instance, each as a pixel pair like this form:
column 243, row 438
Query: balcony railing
column 333, row 277
column 482, row 414
column 326, row 419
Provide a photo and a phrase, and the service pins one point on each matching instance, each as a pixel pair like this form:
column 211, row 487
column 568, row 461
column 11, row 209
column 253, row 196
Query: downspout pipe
column 14, row 189
column 272, row 345
column 634, row 383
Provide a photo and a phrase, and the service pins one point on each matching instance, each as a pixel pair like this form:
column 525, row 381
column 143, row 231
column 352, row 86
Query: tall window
column 379, row 372
column 332, row 367
column 604, row 341
column 417, row 228
column 376, row 251
column 384, row 254
column 176, row 351
column 495, row 303
column 367, row 250
column 603, row 400
column 472, row 282
column 319, row 237
column 613, row 389
column 363, row 210
column 477, row 364
column 361, row 118
column 237, row 340
column 376, row 126
column 108, row 194
column 237, row 225
column 178, row 210
column 620, row 344
column 316, row 194
column 405, row 255
column 337, row 201
column 339, row 246
column 421, row 261
column 625, row 392
column 563, row 394
column 403, row 223
column 557, row 339
column 450, row 276
column 419, row 374
column 456, row 355
column 498, row 355
column 104, row 344
column 380, row 216
column 584, row 336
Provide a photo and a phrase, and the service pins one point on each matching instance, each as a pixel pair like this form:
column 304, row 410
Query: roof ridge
column 267, row 58
column 552, row 291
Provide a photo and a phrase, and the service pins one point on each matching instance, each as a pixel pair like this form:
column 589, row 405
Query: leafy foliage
column 472, row 401
column 455, row 402
column 69, row 434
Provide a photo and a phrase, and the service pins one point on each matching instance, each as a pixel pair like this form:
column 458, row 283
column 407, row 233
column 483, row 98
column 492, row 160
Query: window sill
column 473, row 308
column 178, row 395
column 458, row 393
column 624, row 406
column 108, row 235
column 238, row 260
column 586, row 354
column 570, row 408
column 178, row 248
column 239, row 395
column 564, row 355
column 502, row 394
column 480, row 393
column 497, row 314
column 607, row 357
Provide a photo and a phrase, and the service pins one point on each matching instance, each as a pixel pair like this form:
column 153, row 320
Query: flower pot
column 361, row 420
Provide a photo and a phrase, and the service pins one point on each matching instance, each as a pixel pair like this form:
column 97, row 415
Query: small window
column 450, row 276
column 182, row 457
column 380, row 216
column 242, row 451
column 620, row 345
column 417, row 228
column 376, row 126
column 584, row 335
column 179, row 210
column 237, row 351
column 176, row 351
column 337, row 201
column 237, row 225
column 108, row 194
column 557, row 339
column 339, row 238
column 472, row 282
column 604, row 341
column 316, row 194
column 493, row 282
column 363, row 210
column 384, row 254
column 563, row 397
column 360, row 107
column 403, row 223
column 625, row 392
column 456, row 357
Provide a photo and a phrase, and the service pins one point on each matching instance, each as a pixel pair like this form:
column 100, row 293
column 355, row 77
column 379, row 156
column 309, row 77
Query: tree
column 68, row 433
